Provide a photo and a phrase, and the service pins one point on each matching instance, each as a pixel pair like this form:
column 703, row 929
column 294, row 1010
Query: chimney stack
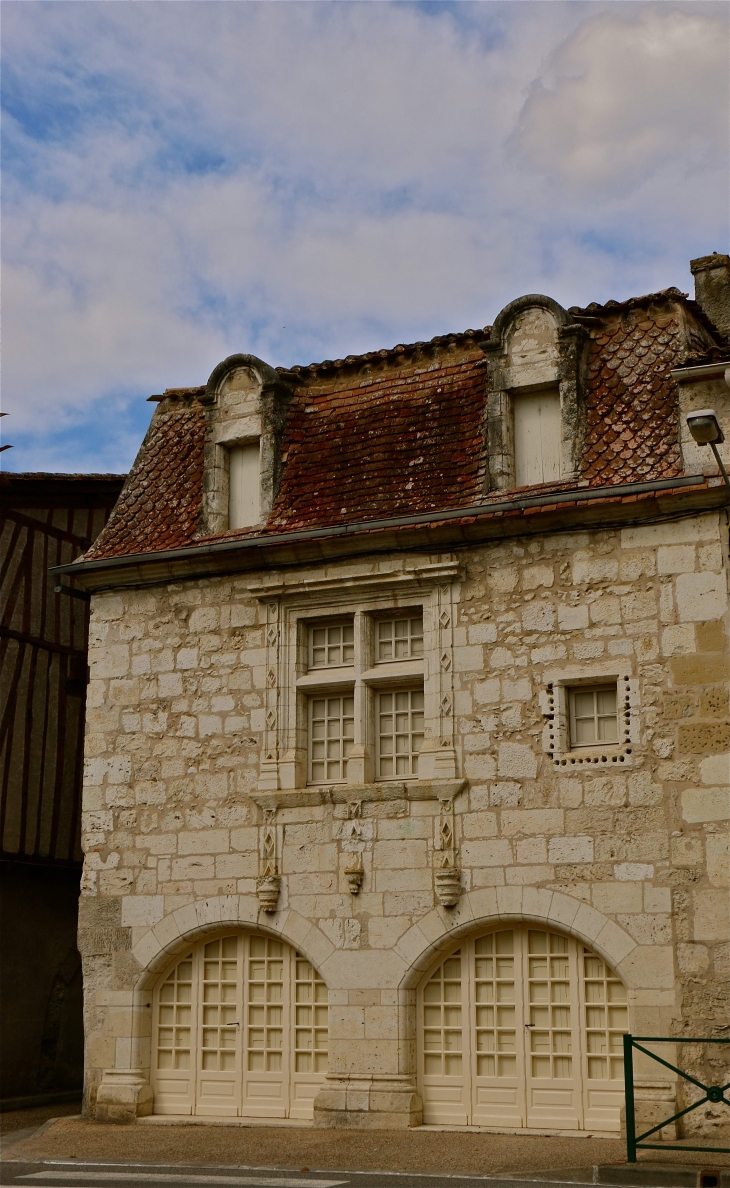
column 712, row 288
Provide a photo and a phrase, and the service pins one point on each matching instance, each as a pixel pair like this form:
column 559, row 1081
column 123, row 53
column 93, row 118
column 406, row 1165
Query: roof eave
column 701, row 371
column 619, row 506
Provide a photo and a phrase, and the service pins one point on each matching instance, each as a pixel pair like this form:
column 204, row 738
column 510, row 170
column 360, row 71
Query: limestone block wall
column 627, row 850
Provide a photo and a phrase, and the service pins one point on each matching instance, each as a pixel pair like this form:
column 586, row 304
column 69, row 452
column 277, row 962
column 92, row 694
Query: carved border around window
column 570, row 340
column 293, row 601
column 555, row 708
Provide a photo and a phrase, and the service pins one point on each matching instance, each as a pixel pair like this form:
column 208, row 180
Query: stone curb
column 631, row 1176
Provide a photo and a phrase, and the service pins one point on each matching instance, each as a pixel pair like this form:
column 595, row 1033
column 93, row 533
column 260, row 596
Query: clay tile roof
column 160, row 501
column 462, row 337
column 631, row 421
column 401, row 431
column 391, row 444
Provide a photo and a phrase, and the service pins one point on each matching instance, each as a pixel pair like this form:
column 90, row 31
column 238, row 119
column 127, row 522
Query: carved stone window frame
column 263, row 420
column 554, row 702
column 293, row 604
column 570, row 341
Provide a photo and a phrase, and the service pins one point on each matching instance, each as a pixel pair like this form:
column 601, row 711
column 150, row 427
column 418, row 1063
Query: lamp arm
column 720, row 463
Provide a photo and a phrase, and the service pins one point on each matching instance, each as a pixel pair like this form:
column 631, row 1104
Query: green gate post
column 629, row 1087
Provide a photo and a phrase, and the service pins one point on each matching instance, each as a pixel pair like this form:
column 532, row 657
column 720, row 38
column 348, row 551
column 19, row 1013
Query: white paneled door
column 240, row 1030
column 522, row 1028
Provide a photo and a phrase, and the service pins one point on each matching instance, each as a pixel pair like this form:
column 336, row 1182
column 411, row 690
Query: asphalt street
column 77, row 1174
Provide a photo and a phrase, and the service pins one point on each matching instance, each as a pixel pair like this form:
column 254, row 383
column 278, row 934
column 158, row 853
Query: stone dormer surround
column 534, row 344
column 245, row 401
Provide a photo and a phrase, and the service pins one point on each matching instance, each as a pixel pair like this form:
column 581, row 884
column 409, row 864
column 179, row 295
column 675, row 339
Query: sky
column 184, row 179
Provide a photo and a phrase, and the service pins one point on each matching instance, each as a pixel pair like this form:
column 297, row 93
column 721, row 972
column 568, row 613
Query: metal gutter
column 216, row 548
column 702, row 371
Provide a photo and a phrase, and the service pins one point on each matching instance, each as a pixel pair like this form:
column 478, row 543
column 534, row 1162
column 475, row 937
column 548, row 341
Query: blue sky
column 314, row 179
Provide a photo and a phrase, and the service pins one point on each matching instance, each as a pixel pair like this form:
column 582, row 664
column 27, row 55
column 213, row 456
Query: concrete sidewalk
column 427, row 1151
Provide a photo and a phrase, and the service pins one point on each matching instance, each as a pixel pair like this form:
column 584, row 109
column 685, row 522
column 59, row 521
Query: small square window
column 593, row 715
column 399, row 639
column 331, row 737
column 331, row 645
column 400, row 732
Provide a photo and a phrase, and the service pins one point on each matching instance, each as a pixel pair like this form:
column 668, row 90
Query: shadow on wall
column 41, row 1041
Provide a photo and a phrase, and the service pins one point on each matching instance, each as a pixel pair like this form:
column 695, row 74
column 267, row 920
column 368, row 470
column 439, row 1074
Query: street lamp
column 705, row 429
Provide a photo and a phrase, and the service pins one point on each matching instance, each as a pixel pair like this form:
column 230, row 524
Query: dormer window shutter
column 244, row 495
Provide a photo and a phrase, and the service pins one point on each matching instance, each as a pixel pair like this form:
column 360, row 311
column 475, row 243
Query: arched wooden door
column 522, row 1028
column 240, row 1029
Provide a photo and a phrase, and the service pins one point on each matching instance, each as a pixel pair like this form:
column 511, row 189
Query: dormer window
column 537, row 437
column 535, row 413
column 244, row 500
column 245, row 413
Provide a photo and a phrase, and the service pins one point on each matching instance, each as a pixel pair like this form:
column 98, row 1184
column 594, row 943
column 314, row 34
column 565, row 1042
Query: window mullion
column 360, row 767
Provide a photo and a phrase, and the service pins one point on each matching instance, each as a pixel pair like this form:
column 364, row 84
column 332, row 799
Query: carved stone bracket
column 268, row 883
column 352, row 833
column 447, row 875
column 354, row 873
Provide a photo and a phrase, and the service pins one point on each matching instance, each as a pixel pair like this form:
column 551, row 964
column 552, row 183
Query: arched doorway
column 521, row 1027
column 239, row 1029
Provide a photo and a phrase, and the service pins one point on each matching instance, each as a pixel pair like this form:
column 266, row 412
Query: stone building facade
column 407, row 754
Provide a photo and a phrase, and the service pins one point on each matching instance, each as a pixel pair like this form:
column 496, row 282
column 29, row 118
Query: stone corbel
column 352, row 833
column 268, row 883
column 447, row 875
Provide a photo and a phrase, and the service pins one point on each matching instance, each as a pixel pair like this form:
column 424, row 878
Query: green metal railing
column 713, row 1093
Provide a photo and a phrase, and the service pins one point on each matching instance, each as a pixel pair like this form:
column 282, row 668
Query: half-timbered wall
column 45, row 520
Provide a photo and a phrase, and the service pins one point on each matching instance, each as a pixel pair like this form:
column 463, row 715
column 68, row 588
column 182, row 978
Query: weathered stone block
column 711, row 915
column 699, row 738
column 700, row 669
column 701, row 596
column 517, row 761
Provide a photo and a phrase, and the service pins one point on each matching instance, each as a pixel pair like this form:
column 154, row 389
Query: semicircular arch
column 438, row 931
column 169, row 938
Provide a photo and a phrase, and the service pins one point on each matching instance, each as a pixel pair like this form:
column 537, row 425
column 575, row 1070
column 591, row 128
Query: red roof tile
column 401, row 431
column 397, row 443
column 160, row 503
column 631, row 403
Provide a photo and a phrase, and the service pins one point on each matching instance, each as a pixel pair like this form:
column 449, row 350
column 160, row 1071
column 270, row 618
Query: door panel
column 175, row 1072
column 266, row 1080
column 552, row 1066
column 310, row 1037
column 522, row 1028
column 606, row 1015
column 497, row 1022
column 241, row 1029
column 445, row 1073
column 219, row 1014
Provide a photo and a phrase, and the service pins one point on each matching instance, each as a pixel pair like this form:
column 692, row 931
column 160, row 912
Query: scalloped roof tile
column 401, row 431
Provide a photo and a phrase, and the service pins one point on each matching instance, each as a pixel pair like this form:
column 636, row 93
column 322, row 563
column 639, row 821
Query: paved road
column 74, row 1173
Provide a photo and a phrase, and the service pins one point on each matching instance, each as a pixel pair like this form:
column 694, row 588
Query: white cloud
column 625, row 95
column 189, row 179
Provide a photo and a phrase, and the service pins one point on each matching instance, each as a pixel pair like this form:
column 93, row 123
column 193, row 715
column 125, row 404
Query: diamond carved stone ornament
column 268, row 884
